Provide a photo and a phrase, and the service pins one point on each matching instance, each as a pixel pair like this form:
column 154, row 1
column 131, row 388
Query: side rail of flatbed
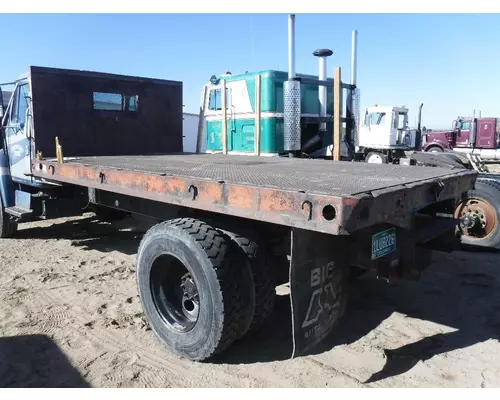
column 336, row 198
column 207, row 280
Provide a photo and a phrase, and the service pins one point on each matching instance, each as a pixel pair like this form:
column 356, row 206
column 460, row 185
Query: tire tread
column 219, row 251
column 264, row 282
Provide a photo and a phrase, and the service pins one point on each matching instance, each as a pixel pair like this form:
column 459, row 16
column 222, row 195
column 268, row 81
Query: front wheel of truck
column 8, row 228
column 480, row 215
column 195, row 287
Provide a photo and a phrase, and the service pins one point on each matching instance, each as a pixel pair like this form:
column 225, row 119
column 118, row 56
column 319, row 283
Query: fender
column 439, row 143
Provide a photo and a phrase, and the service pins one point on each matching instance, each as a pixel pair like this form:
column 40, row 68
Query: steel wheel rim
column 175, row 293
column 483, row 216
column 375, row 157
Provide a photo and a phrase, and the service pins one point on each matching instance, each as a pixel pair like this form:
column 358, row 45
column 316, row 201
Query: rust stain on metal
column 254, row 202
column 241, row 197
column 349, row 202
column 210, row 193
column 173, row 185
column 274, row 201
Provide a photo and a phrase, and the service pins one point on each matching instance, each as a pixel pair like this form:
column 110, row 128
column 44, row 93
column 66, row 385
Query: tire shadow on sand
column 35, row 361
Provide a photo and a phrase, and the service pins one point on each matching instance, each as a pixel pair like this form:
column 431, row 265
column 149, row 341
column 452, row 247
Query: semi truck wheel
column 481, row 215
column 196, row 289
column 8, row 228
column 375, row 157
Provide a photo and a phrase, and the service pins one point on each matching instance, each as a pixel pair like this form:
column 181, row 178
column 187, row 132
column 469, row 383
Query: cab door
column 486, row 133
column 461, row 135
column 17, row 134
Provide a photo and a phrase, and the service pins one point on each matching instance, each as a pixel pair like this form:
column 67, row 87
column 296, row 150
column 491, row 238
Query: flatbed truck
column 230, row 228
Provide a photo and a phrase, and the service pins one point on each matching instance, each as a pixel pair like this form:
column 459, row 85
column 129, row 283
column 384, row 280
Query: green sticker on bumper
column 383, row 243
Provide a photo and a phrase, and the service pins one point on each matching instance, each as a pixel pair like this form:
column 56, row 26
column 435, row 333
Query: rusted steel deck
column 333, row 197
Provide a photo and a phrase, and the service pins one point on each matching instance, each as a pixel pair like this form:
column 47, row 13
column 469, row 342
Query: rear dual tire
column 263, row 279
column 483, row 205
column 201, row 288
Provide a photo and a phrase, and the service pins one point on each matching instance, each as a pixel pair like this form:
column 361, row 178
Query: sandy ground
column 70, row 316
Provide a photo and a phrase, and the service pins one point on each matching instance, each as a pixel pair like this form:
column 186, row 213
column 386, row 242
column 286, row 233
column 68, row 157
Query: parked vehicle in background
column 385, row 136
column 469, row 135
column 4, row 99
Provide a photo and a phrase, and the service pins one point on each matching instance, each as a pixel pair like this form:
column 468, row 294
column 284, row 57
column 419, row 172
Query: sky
column 448, row 62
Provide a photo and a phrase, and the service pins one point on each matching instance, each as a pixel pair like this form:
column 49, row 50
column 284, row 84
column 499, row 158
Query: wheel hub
column 190, row 296
column 175, row 293
column 478, row 219
column 375, row 159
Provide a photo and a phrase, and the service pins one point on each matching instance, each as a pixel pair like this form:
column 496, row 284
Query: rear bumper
column 397, row 205
column 412, row 248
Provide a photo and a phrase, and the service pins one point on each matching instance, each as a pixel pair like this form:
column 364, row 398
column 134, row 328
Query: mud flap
column 318, row 272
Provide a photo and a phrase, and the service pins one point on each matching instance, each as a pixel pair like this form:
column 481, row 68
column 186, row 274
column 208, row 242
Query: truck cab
column 479, row 136
column 385, row 128
column 17, row 144
column 54, row 111
column 384, row 134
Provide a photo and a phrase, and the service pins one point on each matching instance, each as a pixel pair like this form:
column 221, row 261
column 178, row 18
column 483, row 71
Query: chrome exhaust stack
column 322, row 55
column 291, row 98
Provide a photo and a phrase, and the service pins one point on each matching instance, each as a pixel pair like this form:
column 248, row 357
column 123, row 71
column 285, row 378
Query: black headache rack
column 97, row 114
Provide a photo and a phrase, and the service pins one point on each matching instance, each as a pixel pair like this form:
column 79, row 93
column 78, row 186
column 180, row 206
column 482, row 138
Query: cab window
column 464, row 125
column 19, row 106
column 377, row 118
column 215, row 100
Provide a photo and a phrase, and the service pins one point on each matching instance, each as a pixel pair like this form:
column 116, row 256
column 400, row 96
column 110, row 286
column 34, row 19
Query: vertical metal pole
column 201, row 119
column 350, row 118
column 291, row 99
column 257, row 115
column 291, row 46
column 337, row 113
column 350, row 114
column 224, row 116
column 322, row 92
column 354, row 57
column 59, row 153
column 322, row 55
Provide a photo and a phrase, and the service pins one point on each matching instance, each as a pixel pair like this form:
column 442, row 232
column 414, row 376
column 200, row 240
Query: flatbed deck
column 327, row 196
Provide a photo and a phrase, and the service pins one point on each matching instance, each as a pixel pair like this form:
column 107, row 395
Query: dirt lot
column 70, row 316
